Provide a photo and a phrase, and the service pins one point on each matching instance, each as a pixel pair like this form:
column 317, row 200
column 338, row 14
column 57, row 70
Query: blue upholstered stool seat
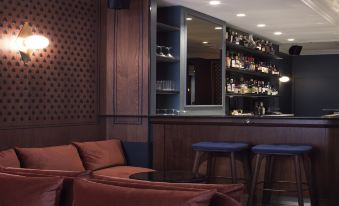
column 282, row 149
column 220, row 146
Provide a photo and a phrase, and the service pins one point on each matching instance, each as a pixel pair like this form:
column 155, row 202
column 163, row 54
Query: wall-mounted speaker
column 119, row 4
column 295, row 50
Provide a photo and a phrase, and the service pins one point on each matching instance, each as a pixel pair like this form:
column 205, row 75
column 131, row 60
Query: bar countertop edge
column 248, row 121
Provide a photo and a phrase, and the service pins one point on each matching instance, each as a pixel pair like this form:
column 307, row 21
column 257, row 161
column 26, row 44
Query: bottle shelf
column 167, row 92
column 252, row 95
column 252, row 73
column 251, row 51
column 161, row 27
column 166, row 59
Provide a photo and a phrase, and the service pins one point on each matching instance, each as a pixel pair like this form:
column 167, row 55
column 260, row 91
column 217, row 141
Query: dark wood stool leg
column 251, row 195
column 214, row 159
column 196, row 164
column 209, row 166
column 268, row 180
column 233, row 168
column 247, row 170
column 310, row 179
column 299, row 180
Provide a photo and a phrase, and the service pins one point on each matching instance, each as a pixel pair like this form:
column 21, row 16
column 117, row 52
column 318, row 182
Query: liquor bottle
column 241, row 61
column 232, row 85
column 245, row 41
column 237, row 61
column 256, row 108
column 237, row 38
column 252, row 64
column 263, row 46
column 247, row 63
column 250, row 86
column 233, row 60
column 272, row 49
column 231, row 38
column 264, row 68
column 262, row 87
column 259, row 68
column 241, row 40
column 268, row 48
column 268, row 88
column 236, row 65
column 228, row 85
column 255, row 87
column 262, row 109
column 258, row 47
column 275, row 71
column 228, row 60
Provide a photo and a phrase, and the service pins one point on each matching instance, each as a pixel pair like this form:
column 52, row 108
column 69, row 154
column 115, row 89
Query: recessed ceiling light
column 205, row 42
column 214, row 3
column 241, row 15
column 261, row 25
column 218, row 28
column 189, row 19
column 277, row 33
column 290, row 39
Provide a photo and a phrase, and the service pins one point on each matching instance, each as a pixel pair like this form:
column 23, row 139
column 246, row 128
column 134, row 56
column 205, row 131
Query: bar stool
column 214, row 149
column 298, row 153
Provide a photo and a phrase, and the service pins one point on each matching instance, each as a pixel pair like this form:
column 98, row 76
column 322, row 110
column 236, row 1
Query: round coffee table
column 169, row 176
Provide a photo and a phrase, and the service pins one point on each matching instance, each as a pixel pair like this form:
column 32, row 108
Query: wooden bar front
column 173, row 136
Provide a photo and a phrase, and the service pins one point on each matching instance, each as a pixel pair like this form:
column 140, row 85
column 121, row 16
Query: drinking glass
column 167, row 51
column 160, row 50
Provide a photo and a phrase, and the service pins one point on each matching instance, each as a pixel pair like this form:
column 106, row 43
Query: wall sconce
column 27, row 42
column 284, row 79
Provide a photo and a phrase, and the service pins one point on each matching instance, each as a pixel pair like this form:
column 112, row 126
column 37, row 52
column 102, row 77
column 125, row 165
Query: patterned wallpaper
column 59, row 84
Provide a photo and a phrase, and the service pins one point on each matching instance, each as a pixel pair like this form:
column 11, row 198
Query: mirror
column 204, row 62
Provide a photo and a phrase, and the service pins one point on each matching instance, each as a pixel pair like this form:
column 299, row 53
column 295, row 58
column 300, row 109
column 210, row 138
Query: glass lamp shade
column 284, row 79
column 36, row 42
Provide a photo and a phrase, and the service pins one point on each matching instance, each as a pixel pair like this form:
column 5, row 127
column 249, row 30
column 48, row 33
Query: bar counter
column 173, row 136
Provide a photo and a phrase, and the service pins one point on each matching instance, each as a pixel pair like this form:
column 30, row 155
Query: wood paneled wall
column 126, row 72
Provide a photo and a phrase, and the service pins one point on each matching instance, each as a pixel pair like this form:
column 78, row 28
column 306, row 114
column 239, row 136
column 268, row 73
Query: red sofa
column 99, row 170
column 102, row 157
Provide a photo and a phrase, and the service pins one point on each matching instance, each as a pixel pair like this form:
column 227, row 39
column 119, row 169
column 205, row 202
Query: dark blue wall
column 315, row 84
column 138, row 153
column 285, row 89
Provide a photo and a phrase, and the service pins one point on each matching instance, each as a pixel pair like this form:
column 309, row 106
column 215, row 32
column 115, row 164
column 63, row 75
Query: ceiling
column 309, row 22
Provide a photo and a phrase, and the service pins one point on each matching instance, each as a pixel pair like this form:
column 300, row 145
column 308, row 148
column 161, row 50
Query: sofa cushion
column 43, row 173
column 219, row 199
column 235, row 191
column 101, row 154
column 51, row 158
column 67, row 190
column 29, row 191
column 8, row 158
column 121, row 171
column 89, row 193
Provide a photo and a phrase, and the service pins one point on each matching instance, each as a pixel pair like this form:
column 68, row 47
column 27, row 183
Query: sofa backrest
column 227, row 194
column 87, row 193
column 68, row 179
column 8, row 158
column 234, row 191
column 101, row 154
column 38, row 191
column 64, row 157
